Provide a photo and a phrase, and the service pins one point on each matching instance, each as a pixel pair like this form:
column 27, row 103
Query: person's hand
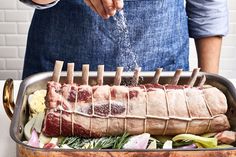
column 43, row 2
column 105, row 8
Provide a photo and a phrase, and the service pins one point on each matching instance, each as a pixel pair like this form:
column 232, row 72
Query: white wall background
column 15, row 18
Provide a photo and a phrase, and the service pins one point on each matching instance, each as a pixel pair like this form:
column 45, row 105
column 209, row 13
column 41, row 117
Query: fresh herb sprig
column 121, row 141
column 115, row 142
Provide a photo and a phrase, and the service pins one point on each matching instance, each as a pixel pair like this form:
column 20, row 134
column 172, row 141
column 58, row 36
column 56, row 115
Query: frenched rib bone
column 157, row 76
column 57, row 71
column 117, row 79
column 102, row 110
column 100, row 74
column 70, row 73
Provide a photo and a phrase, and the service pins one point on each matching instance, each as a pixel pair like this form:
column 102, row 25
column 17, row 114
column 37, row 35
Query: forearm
column 40, row 4
column 208, row 50
column 44, row 2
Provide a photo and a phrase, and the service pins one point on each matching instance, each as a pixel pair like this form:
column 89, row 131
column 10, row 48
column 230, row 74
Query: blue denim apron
column 155, row 35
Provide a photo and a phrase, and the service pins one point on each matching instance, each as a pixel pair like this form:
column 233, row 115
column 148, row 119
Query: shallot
column 34, row 139
column 138, row 142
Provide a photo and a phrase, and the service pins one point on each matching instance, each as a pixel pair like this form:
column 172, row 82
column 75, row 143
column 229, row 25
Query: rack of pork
column 104, row 110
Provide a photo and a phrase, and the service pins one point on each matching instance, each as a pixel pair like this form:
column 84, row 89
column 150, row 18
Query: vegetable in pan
column 125, row 141
column 92, row 117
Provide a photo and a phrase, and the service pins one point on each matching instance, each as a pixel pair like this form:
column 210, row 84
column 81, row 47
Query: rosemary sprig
column 115, row 142
column 104, row 142
column 121, row 141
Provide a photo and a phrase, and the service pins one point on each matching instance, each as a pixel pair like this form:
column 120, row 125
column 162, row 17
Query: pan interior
column 39, row 81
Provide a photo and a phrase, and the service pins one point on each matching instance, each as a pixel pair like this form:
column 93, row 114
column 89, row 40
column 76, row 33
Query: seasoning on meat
column 103, row 110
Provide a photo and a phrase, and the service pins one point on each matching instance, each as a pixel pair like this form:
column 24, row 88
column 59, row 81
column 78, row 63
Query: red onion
column 34, row 139
column 137, row 142
column 192, row 146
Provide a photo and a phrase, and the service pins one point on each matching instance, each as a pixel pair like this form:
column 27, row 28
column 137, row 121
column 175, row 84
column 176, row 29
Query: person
column 120, row 33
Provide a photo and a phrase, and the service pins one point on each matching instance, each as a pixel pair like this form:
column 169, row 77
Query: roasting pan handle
column 8, row 97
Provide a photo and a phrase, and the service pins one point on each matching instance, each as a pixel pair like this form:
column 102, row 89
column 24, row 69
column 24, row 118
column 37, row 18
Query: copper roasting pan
column 19, row 114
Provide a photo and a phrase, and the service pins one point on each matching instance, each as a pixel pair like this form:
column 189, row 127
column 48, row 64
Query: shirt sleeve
column 39, row 6
column 207, row 18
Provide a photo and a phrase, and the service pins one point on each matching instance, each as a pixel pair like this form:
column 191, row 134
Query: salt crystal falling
column 127, row 58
